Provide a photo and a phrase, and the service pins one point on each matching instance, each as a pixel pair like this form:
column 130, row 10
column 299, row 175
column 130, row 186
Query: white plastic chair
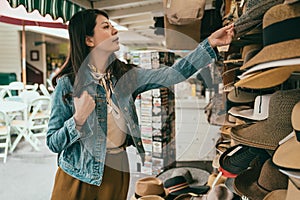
column 28, row 96
column 36, row 123
column 44, row 90
column 5, row 140
column 15, row 86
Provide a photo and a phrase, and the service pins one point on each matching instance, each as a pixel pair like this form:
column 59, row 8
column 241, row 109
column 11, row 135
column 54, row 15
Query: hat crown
column 149, row 186
column 280, row 13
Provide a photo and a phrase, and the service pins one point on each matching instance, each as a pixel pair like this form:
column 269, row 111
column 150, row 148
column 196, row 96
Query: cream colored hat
column 259, row 112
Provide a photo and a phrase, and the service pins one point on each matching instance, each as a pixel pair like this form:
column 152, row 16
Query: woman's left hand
column 221, row 37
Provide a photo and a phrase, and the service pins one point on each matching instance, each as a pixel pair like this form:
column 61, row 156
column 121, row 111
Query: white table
column 13, row 106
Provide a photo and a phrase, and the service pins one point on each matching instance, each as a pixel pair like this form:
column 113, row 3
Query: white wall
column 10, row 49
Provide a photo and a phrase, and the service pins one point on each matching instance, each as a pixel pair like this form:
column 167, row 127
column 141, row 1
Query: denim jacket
column 82, row 153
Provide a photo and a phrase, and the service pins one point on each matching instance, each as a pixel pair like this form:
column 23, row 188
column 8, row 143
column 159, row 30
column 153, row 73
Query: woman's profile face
column 105, row 36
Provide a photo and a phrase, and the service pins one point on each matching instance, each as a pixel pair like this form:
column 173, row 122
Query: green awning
column 55, row 8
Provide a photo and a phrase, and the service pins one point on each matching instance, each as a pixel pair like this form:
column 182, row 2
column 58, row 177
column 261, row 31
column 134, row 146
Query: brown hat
column 194, row 176
column 149, row 186
column 278, row 45
column 266, row 134
column 291, row 193
column 255, row 183
column 240, row 96
column 287, row 154
column 151, row 197
column 268, row 78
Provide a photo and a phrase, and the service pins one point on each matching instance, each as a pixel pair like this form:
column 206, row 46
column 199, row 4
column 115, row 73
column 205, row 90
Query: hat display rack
column 255, row 104
column 259, row 137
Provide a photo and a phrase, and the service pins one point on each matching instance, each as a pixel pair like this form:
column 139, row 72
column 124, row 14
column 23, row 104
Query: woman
column 93, row 117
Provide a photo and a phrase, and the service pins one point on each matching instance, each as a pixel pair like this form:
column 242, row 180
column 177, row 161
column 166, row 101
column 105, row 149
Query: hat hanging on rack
column 267, row 133
column 276, row 44
column 287, row 154
column 256, row 182
column 259, row 112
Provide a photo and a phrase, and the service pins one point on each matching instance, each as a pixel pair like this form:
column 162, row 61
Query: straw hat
column 149, row 186
column 269, row 78
column 287, row 154
column 259, row 112
column 194, row 176
column 267, row 133
column 278, row 46
column 256, row 182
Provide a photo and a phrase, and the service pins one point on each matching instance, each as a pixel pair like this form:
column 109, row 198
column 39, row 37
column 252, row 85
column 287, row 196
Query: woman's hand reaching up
column 221, row 37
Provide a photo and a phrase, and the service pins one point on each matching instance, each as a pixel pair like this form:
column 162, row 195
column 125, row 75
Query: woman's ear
column 89, row 41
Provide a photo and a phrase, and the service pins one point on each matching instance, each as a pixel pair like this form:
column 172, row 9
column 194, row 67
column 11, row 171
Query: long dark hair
column 82, row 24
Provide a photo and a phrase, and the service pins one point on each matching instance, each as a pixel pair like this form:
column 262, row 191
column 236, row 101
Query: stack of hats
column 286, row 158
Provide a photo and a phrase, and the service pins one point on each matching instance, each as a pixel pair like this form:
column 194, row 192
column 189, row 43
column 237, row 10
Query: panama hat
column 193, row 175
column 149, row 186
column 267, row 133
column 287, row 154
column 256, row 182
column 259, row 112
column 279, row 46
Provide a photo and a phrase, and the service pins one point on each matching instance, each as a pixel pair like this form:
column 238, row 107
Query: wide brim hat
column 241, row 96
column 149, row 185
column 269, row 78
column 287, row 154
column 278, row 46
column 178, row 185
column 258, row 113
column 291, row 193
column 193, row 175
column 266, row 134
column 256, row 182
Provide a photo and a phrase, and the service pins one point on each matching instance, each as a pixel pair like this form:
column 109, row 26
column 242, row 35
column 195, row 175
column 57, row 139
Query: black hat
column 178, row 185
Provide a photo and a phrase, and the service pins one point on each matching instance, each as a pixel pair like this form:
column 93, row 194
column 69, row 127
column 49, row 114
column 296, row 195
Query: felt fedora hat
column 178, row 185
column 259, row 112
column 149, row 186
column 252, row 16
column 267, row 133
column 237, row 95
column 151, row 197
column 278, row 45
column 268, row 78
column 194, row 176
column 256, row 182
column 238, row 158
column 291, row 193
column 287, row 154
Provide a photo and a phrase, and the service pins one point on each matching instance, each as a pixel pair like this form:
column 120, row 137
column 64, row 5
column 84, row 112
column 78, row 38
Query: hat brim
column 287, row 154
column 269, row 78
column 199, row 176
column 276, row 195
column 278, row 51
column 241, row 96
column 195, row 190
